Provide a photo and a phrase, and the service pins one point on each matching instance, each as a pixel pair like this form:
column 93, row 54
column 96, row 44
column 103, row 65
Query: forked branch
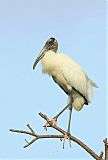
column 61, row 136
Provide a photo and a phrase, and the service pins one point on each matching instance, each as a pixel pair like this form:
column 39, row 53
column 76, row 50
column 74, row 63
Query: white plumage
column 68, row 73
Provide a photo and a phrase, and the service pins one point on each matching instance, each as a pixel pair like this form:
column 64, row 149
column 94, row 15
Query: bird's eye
column 51, row 42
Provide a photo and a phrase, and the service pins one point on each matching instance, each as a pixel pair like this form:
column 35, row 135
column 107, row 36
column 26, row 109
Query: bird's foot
column 67, row 136
column 46, row 126
column 53, row 121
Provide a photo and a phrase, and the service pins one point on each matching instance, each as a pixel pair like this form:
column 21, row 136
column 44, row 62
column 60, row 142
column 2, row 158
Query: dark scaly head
column 51, row 44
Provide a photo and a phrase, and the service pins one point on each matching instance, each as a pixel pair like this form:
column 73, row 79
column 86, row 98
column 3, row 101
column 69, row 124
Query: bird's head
column 51, row 44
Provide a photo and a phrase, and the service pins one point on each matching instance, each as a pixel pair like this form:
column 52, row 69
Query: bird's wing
column 75, row 76
column 74, row 90
column 55, row 80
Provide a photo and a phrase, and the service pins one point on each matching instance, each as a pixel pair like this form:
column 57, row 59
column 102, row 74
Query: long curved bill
column 40, row 56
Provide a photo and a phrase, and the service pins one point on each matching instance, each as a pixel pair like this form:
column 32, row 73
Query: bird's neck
column 48, row 62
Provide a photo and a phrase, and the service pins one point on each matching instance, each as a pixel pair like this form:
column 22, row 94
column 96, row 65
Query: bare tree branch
column 100, row 156
column 72, row 138
column 29, row 143
column 30, row 128
column 106, row 148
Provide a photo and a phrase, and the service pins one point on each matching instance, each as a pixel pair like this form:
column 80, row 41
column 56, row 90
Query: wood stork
column 68, row 75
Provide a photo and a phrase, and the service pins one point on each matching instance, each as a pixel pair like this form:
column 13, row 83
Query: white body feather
column 69, row 75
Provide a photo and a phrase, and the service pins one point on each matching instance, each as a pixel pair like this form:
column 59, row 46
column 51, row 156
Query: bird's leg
column 54, row 119
column 70, row 115
column 67, row 106
column 67, row 136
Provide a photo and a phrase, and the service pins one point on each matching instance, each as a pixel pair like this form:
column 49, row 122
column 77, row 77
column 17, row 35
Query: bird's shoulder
column 68, row 61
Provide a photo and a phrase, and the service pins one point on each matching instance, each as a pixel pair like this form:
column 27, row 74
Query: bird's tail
column 78, row 100
column 90, row 85
column 78, row 103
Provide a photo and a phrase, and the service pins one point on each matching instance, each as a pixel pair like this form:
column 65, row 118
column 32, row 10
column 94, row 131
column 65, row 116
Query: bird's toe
column 67, row 137
column 46, row 126
column 53, row 121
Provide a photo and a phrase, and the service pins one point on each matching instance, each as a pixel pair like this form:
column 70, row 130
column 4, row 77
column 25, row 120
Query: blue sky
column 25, row 25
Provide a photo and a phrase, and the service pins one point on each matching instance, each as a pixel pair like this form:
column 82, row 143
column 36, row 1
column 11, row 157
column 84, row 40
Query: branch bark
column 106, row 148
column 72, row 138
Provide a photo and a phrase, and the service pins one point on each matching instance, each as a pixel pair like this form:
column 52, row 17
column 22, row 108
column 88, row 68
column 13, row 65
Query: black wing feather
column 86, row 102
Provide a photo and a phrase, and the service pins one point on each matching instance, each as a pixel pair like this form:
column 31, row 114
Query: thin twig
column 37, row 136
column 29, row 143
column 50, row 123
column 26, row 141
column 93, row 154
column 106, row 148
column 100, row 156
column 28, row 125
column 22, row 131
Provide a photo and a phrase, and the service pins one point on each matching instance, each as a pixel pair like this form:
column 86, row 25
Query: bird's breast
column 49, row 63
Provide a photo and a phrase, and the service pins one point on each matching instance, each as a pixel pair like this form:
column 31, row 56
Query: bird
column 69, row 75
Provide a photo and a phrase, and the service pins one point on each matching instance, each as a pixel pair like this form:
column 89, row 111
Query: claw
column 53, row 121
column 45, row 126
column 66, row 137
